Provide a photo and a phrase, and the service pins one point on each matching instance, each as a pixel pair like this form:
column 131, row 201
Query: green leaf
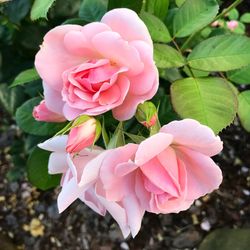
column 92, row 10
column 233, row 14
column 221, row 53
column 40, row 9
column 226, row 239
column 244, row 109
column 135, row 5
column 167, row 57
column 26, row 76
column 240, row 76
column 37, row 168
column 105, row 136
column 245, row 18
column 211, row 101
column 29, row 125
column 10, row 99
column 156, row 28
column 194, row 15
column 135, row 138
column 158, row 8
column 117, row 139
column 179, row 2
column 79, row 21
column 195, row 72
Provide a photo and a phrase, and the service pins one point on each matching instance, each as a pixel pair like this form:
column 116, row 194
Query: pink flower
column 232, row 25
column 71, row 168
column 81, row 136
column 42, row 113
column 98, row 67
column 164, row 174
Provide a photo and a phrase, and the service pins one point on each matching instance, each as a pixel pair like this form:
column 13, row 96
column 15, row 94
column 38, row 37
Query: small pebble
column 124, row 246
column 205, row 225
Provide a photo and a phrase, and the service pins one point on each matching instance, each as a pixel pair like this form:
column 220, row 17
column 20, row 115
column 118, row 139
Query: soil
column 29, row 218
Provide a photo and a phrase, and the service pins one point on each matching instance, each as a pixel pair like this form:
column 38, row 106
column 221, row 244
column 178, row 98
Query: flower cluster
column 108, row 65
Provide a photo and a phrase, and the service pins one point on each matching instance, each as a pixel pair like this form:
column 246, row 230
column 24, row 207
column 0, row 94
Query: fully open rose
column 163, row 174
column 98, row 67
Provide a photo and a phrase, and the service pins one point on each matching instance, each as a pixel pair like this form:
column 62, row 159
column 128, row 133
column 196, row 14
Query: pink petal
column 91, row 170
column 53, row 58
column 53, row 99
column 110, row 45
column 142, row 83
column 203, row 175
column 90, row 199
column 118, row 213
column 55, row 144
column 127, row 23
column 192, row 134
column 159, row 177
column 134, row 213
column 151, row 147
column 69, row 193
column 57, row 163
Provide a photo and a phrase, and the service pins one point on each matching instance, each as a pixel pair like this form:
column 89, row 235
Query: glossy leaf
column 29, row 125
column 211, row 101
column 240, row 76
column 92, row 10
column 156, row 28
column 245, row 18
column 194, row 15
column 158, row 8
column 167, row 57
column 244, row 109
column 37, row 168
column 40, row 9
column 26, row 76
column 221, row 53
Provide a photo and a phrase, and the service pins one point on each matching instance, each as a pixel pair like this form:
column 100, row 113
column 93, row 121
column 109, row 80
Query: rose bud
column 83, row 135
column 232, row 25
column 42, row 113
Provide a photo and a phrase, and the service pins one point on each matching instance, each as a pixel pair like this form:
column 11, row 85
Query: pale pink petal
column 53, row 58
column 125, row 168
column 89, row 197
column 69, row 193
column 57, row 144
column 57, row 163
column 142, row 83
column 91, row 170
column 134, row 213
column 118, row 213
column 91, row 29
column 151, row 147
column 53, row 99
column 192, row 134
column 140, row 191
column 71, row 113
column 127, row 23
column 110, row 45
column 157, row 174
column 203, row 175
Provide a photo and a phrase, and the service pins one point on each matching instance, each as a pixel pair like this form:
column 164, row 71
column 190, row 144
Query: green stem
column 223, row 13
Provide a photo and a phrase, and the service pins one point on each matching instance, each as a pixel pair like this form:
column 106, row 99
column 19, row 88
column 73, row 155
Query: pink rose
column 98, row 67
column 81, row 136
column 164, row 174
column 232, row 25
column 71, row 167
column 42, row 113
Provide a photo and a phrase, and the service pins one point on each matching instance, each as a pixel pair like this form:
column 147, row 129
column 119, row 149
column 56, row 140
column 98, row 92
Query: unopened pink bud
column 81, row 136
column 42, row 113
column 215, row 24
column 151, row 122
column 232, row 25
